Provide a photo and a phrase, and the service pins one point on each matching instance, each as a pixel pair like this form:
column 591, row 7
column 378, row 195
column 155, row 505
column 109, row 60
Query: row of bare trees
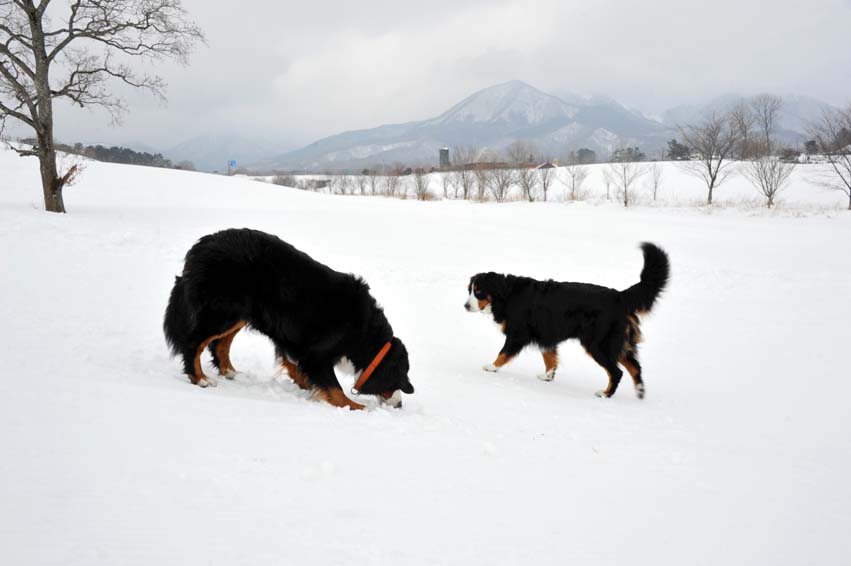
column 747, row 132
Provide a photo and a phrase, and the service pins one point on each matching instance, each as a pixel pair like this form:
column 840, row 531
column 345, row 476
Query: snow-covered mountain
column 490, row 118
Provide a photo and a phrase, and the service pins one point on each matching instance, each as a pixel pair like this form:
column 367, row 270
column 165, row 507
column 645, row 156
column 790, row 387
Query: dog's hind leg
column 629, row 356
column 297, row 377
column 193, row 369
column 611, row 367
column 550, row 363
column 220, row 349
column 630, row 362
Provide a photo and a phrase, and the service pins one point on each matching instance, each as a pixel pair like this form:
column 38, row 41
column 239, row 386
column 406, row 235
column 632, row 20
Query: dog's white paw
column 230, row 374
column 639, row 390
column 203, row 383
column 490, row 367
column 601, row 394
column 548, row 376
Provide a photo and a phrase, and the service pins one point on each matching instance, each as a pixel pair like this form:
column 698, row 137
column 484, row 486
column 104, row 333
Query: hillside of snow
column 736, row 455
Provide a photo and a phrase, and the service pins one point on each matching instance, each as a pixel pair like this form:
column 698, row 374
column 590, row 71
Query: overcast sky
column 297, row 71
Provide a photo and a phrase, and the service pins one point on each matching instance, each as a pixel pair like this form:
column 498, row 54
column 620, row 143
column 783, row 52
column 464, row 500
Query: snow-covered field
column 110, row 457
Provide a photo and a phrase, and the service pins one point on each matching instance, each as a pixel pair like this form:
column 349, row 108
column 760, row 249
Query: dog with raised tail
column 546, row 313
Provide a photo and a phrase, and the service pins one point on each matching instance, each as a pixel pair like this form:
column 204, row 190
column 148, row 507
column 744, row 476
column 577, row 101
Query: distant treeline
column 117, row 154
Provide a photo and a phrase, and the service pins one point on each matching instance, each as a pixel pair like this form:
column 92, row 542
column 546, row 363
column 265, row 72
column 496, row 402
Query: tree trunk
column 709, row 200
column 51, row 183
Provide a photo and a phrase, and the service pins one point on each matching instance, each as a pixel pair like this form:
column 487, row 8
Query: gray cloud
column 297, row 72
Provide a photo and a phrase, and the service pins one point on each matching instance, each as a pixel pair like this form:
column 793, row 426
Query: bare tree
column 339, row 184
column 743, row 119
column 713, row 141
column 463, row 157
column 421, row 184
column 608, row 180
column 94, row 41
column 832, row 136
column 768, row 174
column 528, row 180
column 361, row 183
column 501, row 179
column 625, row 174
column 392, row 178
column 766, row 110
column 520, row 153
column 482, row 182
column 392, row 183
column 656, row 171
column 546, row 176
column 575, row 180
column 373, row 181
column 447, row 181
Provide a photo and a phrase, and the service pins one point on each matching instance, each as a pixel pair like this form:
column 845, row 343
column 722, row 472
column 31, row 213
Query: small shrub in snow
column 284, row 180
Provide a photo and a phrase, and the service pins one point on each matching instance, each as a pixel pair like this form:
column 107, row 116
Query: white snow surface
column 110, row 457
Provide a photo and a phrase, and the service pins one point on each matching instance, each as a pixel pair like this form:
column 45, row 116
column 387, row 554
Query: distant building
column 444, row 158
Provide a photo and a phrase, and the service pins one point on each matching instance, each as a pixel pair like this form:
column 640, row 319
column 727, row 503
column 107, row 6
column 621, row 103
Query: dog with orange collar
column 316, row 317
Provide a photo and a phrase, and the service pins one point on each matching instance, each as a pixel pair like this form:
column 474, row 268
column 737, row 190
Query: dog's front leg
column 328, row 388
column 513, row 345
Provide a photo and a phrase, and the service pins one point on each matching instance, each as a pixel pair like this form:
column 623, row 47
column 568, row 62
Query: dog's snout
column 467, row 306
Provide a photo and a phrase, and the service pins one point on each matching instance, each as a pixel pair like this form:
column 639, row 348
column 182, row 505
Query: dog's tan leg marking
column 337, row 398
column 630, row 367
column 550, row 360
column 609, row 388
column 198, row 377
column 298, row 378
column 223, row 353
column 551, row 363
column 501, row 360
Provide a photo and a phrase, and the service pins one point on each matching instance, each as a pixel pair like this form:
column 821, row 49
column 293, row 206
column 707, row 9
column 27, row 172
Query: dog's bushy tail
column 654, row 277
column 179, row 319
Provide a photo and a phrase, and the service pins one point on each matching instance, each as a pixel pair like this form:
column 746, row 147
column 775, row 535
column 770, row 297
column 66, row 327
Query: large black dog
column 547, row 313
column 315, row 316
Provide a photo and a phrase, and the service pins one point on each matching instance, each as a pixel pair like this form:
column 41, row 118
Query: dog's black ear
column 407, row 387
column 499, row 285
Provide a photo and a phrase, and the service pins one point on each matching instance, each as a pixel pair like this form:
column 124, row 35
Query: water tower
column 444, row 158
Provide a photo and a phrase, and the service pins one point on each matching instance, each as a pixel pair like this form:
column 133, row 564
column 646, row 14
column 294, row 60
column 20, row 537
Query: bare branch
column 151, row 28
